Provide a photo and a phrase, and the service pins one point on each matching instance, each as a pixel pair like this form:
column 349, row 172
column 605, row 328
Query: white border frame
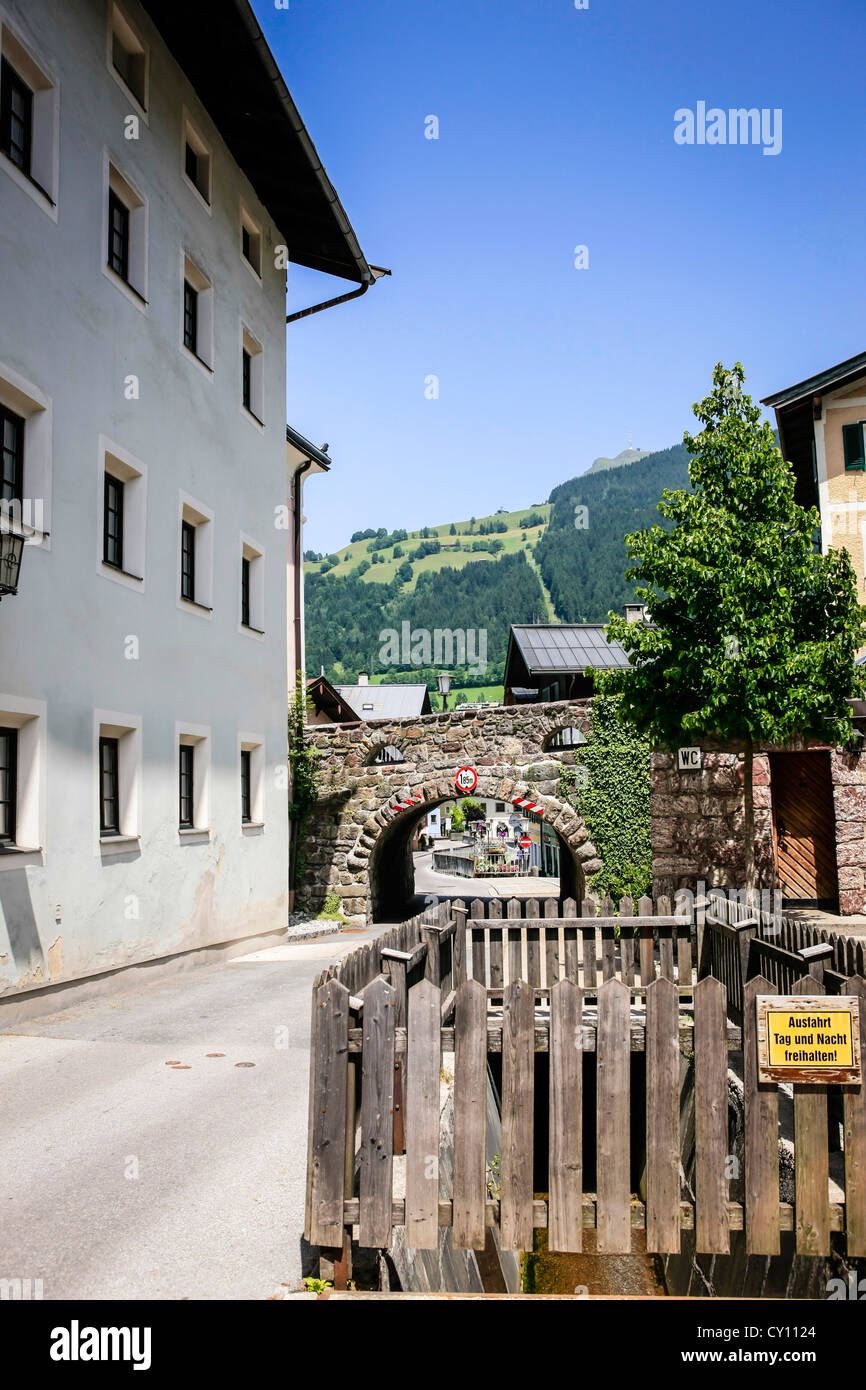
column 30, row 710
column 130, row 838
column 108, row 446
column 49, row 200
column 141, row 111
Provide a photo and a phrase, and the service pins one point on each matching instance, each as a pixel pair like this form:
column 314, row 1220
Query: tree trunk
column 749, row 814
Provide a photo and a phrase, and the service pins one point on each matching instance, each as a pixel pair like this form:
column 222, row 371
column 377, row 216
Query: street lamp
column 11, row 550
column 443, row 680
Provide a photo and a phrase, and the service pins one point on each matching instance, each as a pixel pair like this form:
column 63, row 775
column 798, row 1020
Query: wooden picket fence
column 737, row 941
column 450, row 982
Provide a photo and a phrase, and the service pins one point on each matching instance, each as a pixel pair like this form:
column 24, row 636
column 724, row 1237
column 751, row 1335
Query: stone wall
column 358, row 842
column 697, row 821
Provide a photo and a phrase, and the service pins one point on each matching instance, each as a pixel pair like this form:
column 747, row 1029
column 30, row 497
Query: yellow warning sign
column 812, row 1038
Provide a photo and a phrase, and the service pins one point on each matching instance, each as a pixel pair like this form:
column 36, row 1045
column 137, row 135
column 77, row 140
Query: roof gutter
column 340, row 299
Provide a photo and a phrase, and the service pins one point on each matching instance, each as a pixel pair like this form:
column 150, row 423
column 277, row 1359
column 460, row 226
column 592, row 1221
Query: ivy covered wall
column 609, row 785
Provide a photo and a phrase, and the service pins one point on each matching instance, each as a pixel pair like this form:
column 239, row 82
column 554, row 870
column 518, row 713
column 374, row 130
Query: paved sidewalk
column 86, row 1099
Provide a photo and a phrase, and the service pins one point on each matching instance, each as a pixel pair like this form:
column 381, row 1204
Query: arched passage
column 391, row 871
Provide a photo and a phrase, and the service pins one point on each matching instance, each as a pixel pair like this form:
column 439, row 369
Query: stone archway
column 390, row 867
column 361, row 826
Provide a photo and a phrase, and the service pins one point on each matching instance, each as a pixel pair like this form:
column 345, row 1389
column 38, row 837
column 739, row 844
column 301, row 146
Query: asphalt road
column 126, row 1178
column 427, row 880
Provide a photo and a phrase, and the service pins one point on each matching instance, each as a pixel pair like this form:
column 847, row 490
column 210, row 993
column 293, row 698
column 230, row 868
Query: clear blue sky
column 556, row 129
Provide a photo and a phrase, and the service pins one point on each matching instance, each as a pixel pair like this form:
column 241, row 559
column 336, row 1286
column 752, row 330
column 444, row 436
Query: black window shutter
column 852, row 438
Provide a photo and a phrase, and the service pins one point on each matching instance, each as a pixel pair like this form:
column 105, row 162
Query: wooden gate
column 378, row 1050
column 804, row 826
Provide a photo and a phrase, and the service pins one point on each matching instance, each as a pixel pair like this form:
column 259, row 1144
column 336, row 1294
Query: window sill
column 252, row 631
column 118, row 844
column 126, row 288
column 193, row 188
column 127, row 574
column 140, row 108
column 30, row 179
column 202, row 365
column 252, row 827
column 256, row 274
column 192, row 603
column 192, row 834
column 18, row 856
column 252, row 417
column 28, row 185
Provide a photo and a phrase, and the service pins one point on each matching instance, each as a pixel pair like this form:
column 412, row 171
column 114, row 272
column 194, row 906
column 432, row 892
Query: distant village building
column 386, row 701
column 551, row 661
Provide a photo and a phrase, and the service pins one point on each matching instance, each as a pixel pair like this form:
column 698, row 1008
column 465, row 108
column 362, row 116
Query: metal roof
column 223, row 52
column 568, row 647
column 384, row 701
column 833, row 377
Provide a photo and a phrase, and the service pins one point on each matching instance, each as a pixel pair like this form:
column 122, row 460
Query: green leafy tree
column 472, row 809
column 754, row 632
column 458, row 820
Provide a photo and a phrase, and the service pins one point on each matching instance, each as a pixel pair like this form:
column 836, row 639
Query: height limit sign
column 466, row 779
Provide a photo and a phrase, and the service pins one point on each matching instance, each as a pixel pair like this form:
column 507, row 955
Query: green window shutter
column 852, row 438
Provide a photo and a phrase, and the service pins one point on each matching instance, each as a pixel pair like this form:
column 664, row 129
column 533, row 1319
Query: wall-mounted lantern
column 11, row 550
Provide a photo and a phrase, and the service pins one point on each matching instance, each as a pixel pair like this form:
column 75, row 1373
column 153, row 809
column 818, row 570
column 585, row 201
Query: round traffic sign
column 466, row 779
column 525, row 842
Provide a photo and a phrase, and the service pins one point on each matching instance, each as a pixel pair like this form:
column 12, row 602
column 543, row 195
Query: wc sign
column 689, row 759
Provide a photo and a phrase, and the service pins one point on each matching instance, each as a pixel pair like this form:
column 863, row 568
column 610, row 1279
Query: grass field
column 516, row 537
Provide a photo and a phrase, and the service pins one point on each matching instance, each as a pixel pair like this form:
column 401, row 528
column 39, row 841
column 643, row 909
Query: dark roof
column 831, row 379
column 387, row 701
column 567, row 647
column 225, row 55
column 328, row 701
column 304, row 446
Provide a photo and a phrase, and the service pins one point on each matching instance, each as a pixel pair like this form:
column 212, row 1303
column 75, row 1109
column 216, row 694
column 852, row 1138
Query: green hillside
column 581, row 554
column 561, row 561
column 459, row 543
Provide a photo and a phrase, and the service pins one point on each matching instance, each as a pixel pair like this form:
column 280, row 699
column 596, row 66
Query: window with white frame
column 125, row 233
column 121, row 515
column 193, row 780
column 252, row 376
column 29, row 124
column 251, row 242
column 252, row 587
column 196, row 159
column 25, row 457
column 22, row 757
column 118, row 777
column 128, row 56
column 195, row 555
column 197, row 313
column 252, row 781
